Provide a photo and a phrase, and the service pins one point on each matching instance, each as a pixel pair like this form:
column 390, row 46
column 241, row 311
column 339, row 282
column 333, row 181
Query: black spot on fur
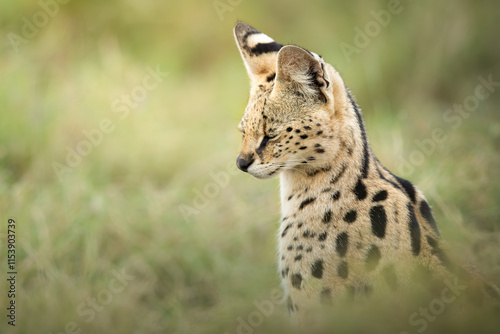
column 380, row 196
column 327, row 217
column 322, row 236
column 309, row 249
column 297, row 131
column 366, row 152
column 432, row 242
column 342, row 244
column 290, row 247
column 308, row 234
column 320, row 150
column 306, row 202
column 319, row 133
column 394, row 184
column 317, row 269
column 304, row 136
column 296, row 280
column 265, row 48
column 307, row 127
column 360, row 190
column 290, row 197
column 408, row 187
column 373, row 258
column 426, row 212
column 289, row 129
column 336, row 195
column 298, row 257
column 414, row 231
column 436, row 250
column 350, row 216
column 271, row 77
column 378, row 219
column 285, row 230
column 302, row 147
column 343, row 269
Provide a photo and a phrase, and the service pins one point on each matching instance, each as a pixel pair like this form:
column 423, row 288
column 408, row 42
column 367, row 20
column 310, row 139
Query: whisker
column 294, row 163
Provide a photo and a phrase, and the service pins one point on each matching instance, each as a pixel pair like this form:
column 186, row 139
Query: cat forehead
column 255, row 107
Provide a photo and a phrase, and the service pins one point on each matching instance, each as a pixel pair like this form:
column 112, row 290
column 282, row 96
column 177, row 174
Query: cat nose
column 244, row 162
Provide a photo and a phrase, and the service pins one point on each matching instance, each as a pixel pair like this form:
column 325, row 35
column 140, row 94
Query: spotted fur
column 348, row 224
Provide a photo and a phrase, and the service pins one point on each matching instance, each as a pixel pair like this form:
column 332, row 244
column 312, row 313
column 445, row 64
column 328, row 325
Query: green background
column 159, row 197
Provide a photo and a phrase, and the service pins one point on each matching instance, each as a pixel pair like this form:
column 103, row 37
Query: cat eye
column 263, row 143
column 269, row 137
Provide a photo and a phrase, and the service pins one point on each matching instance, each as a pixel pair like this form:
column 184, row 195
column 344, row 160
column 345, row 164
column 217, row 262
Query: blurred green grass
column 121, row 207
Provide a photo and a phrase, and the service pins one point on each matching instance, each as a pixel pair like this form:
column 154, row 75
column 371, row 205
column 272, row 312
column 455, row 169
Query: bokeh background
column 157, row 198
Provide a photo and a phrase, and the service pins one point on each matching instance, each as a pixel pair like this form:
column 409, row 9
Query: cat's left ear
column 258, row 52
column 303, row 72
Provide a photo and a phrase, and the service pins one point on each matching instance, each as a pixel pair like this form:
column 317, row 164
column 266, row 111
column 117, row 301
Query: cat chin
column 261, row 175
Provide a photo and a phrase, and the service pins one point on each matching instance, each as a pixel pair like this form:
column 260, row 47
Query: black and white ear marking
column 253, row 42
column 258, row 51
column 302, row 71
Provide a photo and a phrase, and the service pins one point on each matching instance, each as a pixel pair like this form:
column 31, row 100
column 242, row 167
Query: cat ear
column 303, row 72
column 258, row 51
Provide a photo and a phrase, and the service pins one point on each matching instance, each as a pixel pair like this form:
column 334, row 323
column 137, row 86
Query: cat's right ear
column 304, row 72
column 259, row 52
